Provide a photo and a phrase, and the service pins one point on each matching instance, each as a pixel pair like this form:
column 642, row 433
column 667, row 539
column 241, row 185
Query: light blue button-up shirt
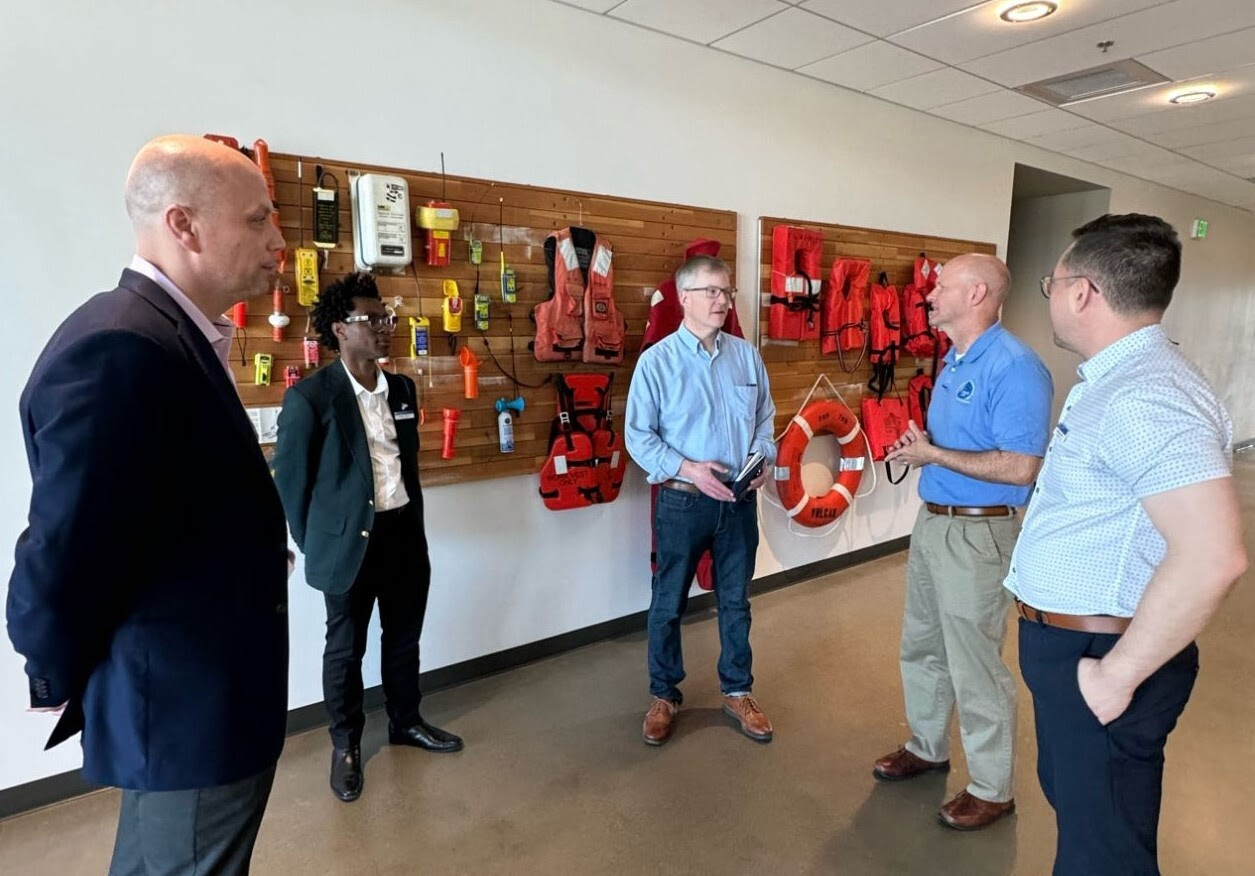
column 1142, row 421
column 686, row 403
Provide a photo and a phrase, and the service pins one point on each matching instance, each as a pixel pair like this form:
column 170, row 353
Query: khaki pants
column 953, row 630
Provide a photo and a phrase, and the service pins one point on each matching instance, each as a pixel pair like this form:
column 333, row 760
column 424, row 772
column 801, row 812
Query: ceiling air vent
column 1102, row 81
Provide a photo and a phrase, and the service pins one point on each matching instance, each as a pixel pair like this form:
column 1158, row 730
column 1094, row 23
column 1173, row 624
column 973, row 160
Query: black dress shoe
column 423, row 735
column 346, row 773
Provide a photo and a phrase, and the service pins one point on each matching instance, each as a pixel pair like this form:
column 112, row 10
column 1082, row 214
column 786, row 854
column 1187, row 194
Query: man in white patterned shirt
column 1131, row 540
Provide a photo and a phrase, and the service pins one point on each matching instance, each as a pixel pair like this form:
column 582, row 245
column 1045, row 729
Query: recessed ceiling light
column 1189, row 97
column 1022, row 12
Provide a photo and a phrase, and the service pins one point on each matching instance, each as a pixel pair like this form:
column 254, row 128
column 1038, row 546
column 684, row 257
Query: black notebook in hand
column 752, row 469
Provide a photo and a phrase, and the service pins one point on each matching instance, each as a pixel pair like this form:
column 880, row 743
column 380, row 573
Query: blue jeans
column 1104, row 782
column 686, row 526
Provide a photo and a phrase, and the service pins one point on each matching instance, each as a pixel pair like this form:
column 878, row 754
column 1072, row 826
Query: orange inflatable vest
column 843, row 328
column 587, row 458
column 579, row 320
column 795, row 265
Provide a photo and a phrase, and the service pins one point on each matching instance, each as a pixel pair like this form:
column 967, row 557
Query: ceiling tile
column 1035, row 124
column 1077, row 138
column 980, row 32
column 792, row 39
column 702, row 21
column 1213, row 153
column 1134, row 34
column 946, row 85
column 1204, row 56
column 1156, row 99
column 1200, row 135
column 870, row 65
column 1181, row 118
column 988, row 108
column 885, row 16
column 1119, row 146
column 592, row 5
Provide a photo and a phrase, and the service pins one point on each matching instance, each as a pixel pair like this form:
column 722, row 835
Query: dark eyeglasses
column 713, row 292
column 378, row 321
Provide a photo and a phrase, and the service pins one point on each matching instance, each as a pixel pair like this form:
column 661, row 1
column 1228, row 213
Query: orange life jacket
column 587, row 458
column 884, row 334
column 579, row 320
column 884, row 421
column 919, row 392
column 918, row 339
column 843, row 327
column 796, row 255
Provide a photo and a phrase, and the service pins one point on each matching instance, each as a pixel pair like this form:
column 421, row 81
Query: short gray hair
column 689, row 270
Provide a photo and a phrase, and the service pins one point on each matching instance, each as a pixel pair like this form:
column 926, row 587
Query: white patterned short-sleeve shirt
column 1142, row 421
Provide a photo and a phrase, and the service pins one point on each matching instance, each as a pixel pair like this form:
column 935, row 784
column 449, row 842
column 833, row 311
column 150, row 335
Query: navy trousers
column 1104, row 782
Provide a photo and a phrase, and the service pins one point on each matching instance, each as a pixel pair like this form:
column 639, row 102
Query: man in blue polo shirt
column 988, row 425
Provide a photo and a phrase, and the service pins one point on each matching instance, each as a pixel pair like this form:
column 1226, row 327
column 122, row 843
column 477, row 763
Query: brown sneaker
column 902, row 764
column 658, row 721
column 966, row 812
column 754, row 723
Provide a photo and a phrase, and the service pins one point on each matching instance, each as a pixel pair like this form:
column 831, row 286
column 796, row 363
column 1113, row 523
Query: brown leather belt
column 1104, row 624
column 682, row 486
column 961, row 511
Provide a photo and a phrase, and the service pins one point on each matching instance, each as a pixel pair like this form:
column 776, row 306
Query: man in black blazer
column 346, row 465
column 149, row 590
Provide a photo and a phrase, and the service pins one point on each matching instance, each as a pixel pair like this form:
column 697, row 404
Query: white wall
column 529, row 91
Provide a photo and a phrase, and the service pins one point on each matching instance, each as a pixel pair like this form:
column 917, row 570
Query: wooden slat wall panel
column 648, row 238
column 793, row 367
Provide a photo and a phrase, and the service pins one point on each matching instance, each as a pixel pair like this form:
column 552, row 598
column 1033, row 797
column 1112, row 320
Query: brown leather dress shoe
column 658, row 721
column 754, row 723
column 902, row 764
column 966, row 812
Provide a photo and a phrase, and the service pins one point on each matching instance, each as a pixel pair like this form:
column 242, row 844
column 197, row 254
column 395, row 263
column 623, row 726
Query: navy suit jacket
column 323, row 471
column 149, row 590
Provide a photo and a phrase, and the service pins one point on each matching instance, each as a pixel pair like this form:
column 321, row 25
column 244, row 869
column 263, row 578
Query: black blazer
column 149, row 589
column 323, row 471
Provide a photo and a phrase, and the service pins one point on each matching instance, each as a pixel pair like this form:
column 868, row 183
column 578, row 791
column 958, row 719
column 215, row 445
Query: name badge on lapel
column 406, row 413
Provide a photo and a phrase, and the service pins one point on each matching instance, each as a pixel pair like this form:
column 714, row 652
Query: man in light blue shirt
column 988, row 424
column 1132, row 538
column 698, row 407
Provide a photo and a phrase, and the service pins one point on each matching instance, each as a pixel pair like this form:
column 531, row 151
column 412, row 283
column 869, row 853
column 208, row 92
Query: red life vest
column 884, row 335
column 843, row 328
column 884, row 421
column 919, row 392
column 579, row 320
column 665, row 312
column 918, row 339
column 586, row 455
column 796, row 254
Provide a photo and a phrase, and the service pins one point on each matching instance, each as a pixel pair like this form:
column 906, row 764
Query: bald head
column 178, row 169
column 984, row 269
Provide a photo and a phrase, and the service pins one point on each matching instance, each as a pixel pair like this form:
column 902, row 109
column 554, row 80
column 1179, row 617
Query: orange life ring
column 820, row 418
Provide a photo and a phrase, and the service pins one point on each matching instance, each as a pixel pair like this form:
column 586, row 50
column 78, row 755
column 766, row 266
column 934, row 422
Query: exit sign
column 1199, row 229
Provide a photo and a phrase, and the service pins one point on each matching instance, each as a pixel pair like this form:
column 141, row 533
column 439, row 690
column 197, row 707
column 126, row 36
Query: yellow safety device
column 420, row 333
column 307, row 277
column 262, row 363
column 452, row 308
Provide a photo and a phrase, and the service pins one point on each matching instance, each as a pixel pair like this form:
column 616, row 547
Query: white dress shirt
column 219, row 332
column 381, row 439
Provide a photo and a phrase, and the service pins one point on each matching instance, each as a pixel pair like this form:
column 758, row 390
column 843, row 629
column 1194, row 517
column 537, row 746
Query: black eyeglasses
column 1047, row 280
column 378, row 321
column 713, row 292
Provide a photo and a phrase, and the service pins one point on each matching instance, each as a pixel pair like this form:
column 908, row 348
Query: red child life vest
column 843, row 328
column 579, row 320
column 796, row 254
column 587, row 458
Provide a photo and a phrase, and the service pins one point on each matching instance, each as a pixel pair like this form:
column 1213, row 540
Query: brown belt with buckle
column 961, row 511
column 682, row 486
column 1104, row 624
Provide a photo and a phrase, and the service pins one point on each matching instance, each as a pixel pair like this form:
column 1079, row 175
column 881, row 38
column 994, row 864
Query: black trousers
column 395, row 572
column 198, row 832
column 1104, row 782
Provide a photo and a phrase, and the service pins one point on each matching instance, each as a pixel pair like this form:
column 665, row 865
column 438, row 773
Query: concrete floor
column 556, row 779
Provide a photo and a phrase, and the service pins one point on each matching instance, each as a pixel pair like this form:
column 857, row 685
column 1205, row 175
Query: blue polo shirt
column 996, row 397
